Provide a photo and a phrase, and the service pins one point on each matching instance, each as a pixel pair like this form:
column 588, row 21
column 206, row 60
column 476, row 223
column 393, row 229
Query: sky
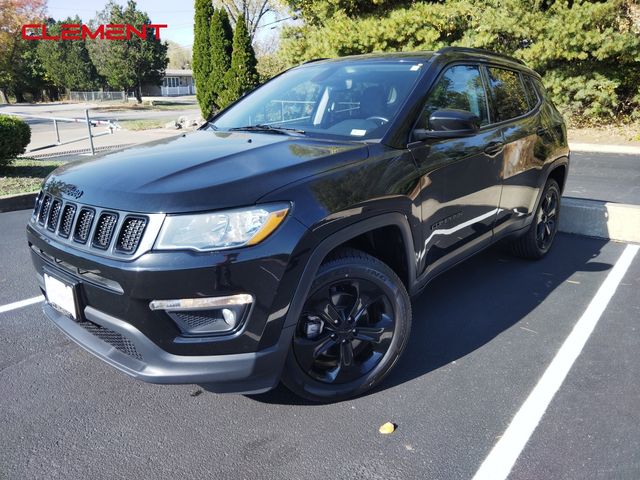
column 178, row 15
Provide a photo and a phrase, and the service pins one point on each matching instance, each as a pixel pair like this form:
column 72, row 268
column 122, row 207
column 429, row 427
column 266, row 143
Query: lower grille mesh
column 114, row 339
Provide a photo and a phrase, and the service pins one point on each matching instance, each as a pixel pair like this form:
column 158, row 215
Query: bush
column 15, row 135
column 588, row 52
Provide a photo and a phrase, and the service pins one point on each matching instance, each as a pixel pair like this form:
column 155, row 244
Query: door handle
column 493, row 148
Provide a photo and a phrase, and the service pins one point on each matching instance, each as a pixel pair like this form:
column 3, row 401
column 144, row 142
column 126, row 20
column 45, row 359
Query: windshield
column 353, row 100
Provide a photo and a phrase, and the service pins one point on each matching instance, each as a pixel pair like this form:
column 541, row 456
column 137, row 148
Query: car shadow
column 471, row 304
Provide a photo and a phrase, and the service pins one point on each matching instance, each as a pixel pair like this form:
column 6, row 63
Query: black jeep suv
column 282, row 240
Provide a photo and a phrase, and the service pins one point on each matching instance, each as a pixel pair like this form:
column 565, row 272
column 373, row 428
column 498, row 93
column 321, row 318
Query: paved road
column 484, row 333
column 43, row 133
column 611, row 177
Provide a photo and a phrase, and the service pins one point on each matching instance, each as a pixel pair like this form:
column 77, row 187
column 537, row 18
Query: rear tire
column 352, row 330
column 538, row 240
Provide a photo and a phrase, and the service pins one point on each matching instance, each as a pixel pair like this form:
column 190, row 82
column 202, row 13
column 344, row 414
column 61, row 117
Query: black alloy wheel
column 538, row 239
column 345, row 330
column 352, row 329
column 547, row 224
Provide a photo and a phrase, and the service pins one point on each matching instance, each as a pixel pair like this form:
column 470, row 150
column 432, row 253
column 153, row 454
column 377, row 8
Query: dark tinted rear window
column 507, row 91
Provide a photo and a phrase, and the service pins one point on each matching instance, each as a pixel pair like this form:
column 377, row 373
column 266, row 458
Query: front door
column 460, row 177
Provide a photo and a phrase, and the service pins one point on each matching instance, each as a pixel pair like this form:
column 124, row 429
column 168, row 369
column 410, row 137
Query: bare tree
column 253, row 11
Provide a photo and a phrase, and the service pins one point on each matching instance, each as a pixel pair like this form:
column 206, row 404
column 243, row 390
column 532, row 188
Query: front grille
column 114, row 339
column 131, row 234
column 83, row 225
column 104, row 230
column 67, row 220
column 107, row 233
column 54, row 215
column 44, row 209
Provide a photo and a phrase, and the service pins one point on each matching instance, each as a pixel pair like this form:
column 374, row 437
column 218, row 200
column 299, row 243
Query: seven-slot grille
column 68, row 214
column 104, row 230
column 131, row 234
column 93, row 228
column 44, row 209
column 54, row 215
column 83, row 225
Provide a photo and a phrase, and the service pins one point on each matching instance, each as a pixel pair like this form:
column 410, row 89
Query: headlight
column 220, row 230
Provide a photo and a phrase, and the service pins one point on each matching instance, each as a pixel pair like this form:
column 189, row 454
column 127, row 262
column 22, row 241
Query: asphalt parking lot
column 485, row 335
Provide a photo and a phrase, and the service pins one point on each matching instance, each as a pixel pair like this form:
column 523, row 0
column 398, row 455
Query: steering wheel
column 379, row 120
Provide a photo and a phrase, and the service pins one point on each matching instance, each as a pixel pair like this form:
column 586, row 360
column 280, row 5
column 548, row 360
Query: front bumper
column 252, row 372
column 117, row 325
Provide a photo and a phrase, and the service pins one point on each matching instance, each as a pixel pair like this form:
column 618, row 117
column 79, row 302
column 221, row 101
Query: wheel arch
column 350, row 236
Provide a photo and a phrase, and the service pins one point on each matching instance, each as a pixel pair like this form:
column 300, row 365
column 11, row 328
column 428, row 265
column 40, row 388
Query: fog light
column 229, row 317
column 206, row 316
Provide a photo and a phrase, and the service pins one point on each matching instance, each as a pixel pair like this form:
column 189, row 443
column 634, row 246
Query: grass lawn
column 143, row 124
column 25, row 175
column 147, row 106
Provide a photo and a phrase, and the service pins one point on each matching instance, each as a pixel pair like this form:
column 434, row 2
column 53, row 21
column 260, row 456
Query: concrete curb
column 22, row 201
column 594, row 147
column 594, row 218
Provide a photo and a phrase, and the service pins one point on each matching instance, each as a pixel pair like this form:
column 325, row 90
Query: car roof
column 447, row 53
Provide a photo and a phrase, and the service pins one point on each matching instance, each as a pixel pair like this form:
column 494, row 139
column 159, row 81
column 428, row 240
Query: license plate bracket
column 61, row 295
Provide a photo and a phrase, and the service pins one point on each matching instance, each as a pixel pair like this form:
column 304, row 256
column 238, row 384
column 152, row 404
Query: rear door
column 460, row 177
column 516, row 109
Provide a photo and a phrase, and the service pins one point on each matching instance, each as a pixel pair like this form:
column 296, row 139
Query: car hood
column 200, row 171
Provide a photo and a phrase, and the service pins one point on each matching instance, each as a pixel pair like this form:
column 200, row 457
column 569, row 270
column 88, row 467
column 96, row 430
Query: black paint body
column 420, row 206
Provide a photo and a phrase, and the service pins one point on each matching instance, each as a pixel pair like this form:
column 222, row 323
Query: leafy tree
column 179, row 56
column 202, row 53
column 128, row 64
column 252, row 10
column 242, row 76
column 587, row 51
column 220, row 37
column 67, row 64
column 19, row 71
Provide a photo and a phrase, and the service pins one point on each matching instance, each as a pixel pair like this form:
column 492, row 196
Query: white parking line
column 21, row 303
column 507, row 450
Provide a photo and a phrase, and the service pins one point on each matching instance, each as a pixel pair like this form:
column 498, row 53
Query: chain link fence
column 97, row 96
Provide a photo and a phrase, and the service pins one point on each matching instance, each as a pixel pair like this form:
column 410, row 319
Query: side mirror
column 449, row 123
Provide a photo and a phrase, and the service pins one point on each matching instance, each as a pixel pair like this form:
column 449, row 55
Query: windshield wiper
column 267, row 128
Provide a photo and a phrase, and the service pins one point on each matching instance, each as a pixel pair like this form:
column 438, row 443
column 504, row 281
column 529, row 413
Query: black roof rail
column 314, row 60
column 479, row 50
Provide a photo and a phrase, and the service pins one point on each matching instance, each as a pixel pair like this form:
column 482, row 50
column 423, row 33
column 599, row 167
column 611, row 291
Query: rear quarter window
column 508, row 94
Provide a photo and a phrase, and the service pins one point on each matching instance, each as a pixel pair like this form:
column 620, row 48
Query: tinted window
column 507, row 91
column 350, row 99
column 461, row 88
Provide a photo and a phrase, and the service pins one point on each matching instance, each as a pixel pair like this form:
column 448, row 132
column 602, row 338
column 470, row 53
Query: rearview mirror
column 449, row 123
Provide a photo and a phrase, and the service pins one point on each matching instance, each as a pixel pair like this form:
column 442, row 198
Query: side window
column 460, row 88
column 507, row 92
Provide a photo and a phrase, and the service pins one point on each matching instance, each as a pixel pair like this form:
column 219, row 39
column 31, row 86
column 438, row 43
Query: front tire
column 352, row 330
column 538, row 240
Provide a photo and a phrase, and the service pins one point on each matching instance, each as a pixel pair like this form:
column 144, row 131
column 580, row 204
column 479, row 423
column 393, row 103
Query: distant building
column 175, row 82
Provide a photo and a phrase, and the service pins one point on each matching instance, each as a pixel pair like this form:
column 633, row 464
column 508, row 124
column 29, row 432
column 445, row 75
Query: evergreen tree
column 243, row 75
column 202, row 53
column 220, row 38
